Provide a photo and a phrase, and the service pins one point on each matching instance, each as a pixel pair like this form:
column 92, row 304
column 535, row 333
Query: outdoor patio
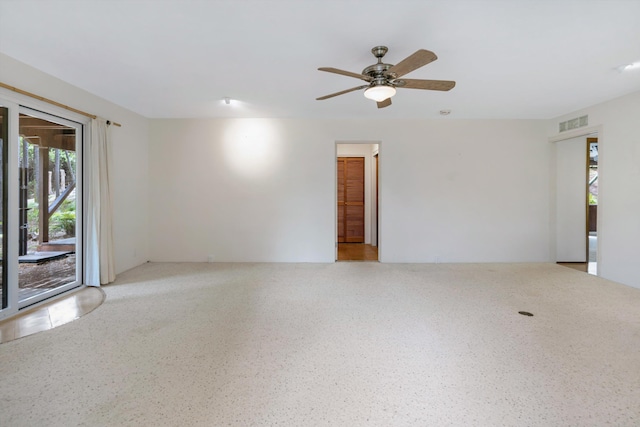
column 35, row 278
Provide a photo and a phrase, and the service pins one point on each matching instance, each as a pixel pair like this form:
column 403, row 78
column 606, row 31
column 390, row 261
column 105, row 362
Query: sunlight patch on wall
column 252, row 147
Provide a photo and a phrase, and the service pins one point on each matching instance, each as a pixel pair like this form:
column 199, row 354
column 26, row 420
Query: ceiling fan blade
column 345, row 73
column 341, row 92
column 443, row 85
column 412, row 62
column 384, row 103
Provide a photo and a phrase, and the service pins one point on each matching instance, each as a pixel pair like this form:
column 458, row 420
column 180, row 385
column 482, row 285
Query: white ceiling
column 180, row 58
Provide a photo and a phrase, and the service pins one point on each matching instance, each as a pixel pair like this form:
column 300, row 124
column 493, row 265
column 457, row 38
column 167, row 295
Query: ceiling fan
column 383, row 79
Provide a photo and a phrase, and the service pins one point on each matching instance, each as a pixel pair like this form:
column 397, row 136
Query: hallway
column 357, row 252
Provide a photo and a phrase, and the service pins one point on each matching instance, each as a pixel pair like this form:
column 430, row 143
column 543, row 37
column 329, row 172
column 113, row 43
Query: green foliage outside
column 62, row 222
column 64, row 219
column 28, row 160
column 32, row 217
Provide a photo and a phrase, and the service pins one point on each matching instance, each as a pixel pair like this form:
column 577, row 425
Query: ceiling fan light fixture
column 380, row 92
column 383, row 79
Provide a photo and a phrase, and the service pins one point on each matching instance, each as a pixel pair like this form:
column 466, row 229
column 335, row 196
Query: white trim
column 577, row 133
column 335, row 191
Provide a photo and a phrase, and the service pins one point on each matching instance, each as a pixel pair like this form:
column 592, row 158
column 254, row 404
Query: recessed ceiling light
column 629, row 67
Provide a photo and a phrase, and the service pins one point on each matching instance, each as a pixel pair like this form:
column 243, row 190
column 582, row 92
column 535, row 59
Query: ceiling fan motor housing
column 378, row 71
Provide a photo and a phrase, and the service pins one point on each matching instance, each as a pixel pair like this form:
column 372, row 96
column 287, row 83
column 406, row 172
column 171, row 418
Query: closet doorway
column 356, row 202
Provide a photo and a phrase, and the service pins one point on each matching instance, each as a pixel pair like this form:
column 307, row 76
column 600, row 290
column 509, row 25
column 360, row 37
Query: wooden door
column 350, row 199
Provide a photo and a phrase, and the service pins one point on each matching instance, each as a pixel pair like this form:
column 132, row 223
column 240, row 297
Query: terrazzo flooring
column 344, row 344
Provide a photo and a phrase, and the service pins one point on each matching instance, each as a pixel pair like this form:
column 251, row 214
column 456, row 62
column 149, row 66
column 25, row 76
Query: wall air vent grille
column 576, row 123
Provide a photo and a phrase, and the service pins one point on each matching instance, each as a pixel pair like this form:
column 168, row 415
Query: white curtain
column 100, row 267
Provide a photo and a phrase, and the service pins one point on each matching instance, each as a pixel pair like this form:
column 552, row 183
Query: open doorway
column 577, row 203
column 592, row 207
column 356, row 202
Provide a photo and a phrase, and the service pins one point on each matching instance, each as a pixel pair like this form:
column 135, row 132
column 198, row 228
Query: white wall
column 571, row 200
column 130, row 155
column 618, row 185
column 262, row 189
column 241, row 190
column 465, row 191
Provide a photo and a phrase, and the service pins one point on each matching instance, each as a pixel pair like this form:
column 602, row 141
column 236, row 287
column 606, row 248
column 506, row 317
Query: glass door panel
column 48, row 197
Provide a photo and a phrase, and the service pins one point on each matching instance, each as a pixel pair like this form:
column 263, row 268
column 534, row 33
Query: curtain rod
column 57, row 104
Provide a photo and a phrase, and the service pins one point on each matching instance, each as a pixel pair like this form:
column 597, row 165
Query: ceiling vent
column 576, row 123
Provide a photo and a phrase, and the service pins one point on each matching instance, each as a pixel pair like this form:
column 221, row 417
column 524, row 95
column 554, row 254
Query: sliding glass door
column 47, row 205
column 41, row 206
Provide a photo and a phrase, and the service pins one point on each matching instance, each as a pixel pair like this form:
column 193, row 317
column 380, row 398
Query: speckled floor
column 344, row 344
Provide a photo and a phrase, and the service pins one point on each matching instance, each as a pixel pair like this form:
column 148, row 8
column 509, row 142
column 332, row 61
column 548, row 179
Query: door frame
column 590, row 140
column 586, row 132
column 374, row 217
